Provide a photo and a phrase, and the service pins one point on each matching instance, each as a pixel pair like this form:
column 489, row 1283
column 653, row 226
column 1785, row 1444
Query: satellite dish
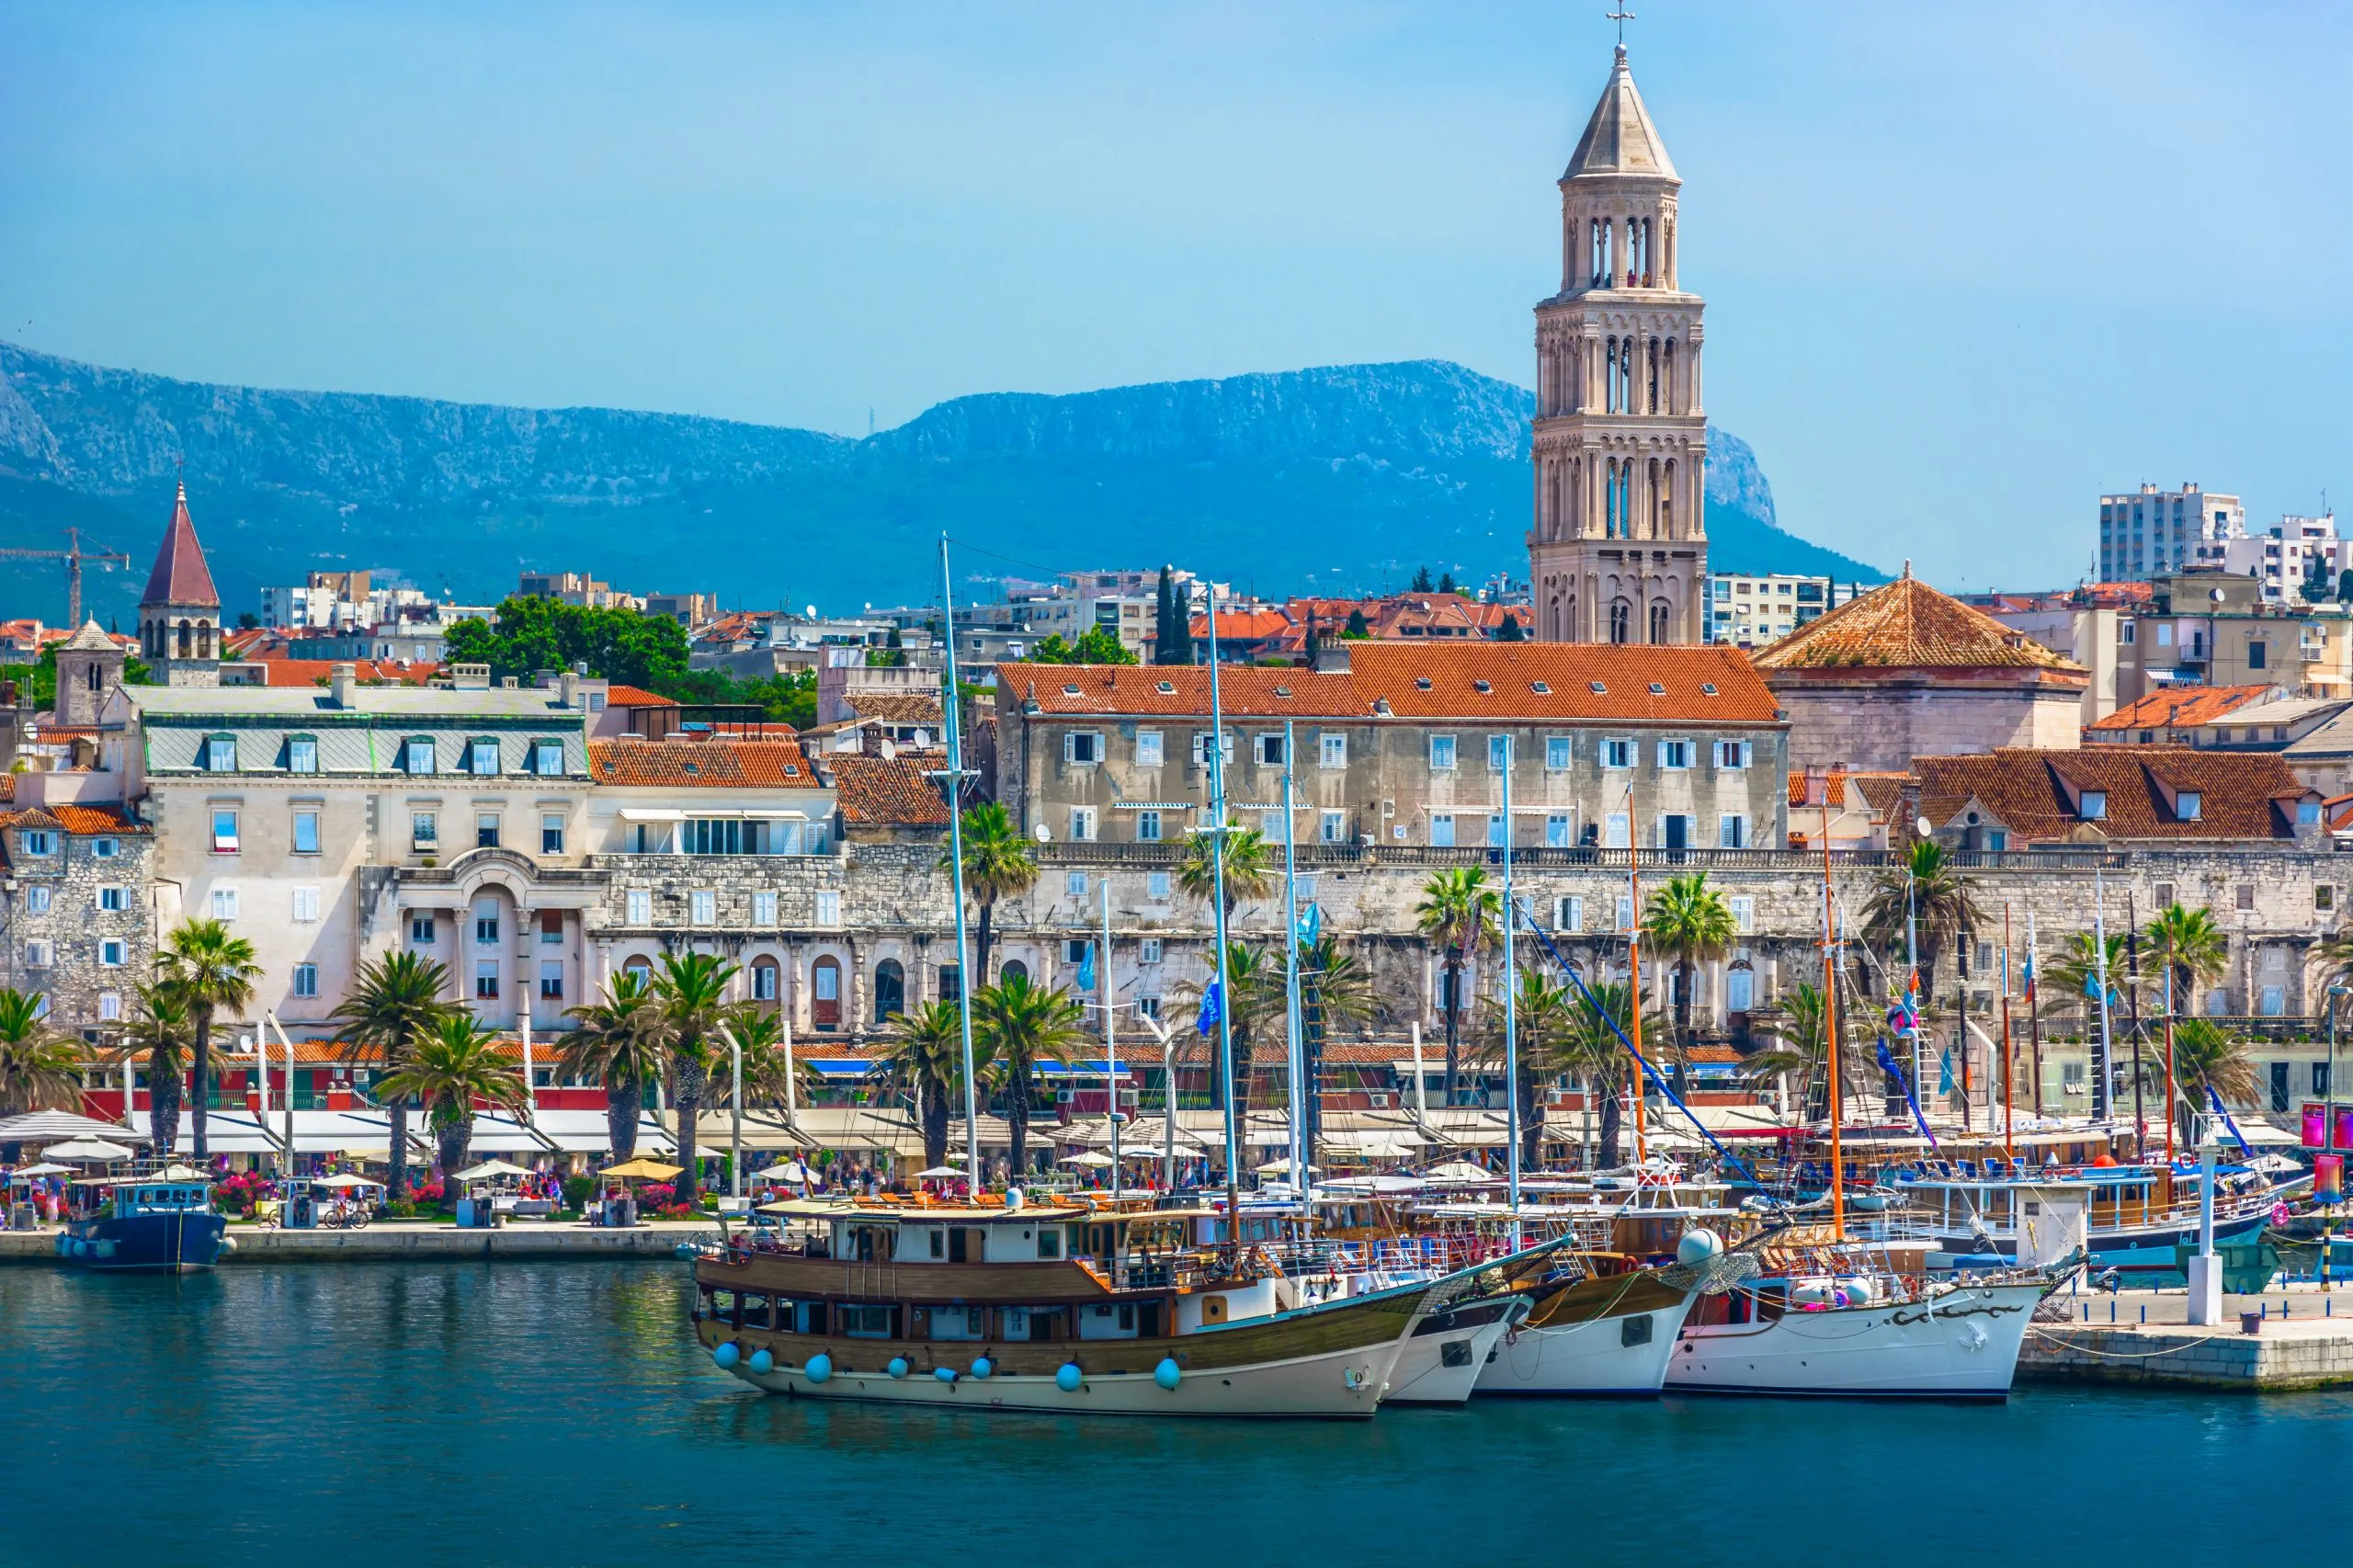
column 1926, row 830
column 1045, row 835
column 813, row 612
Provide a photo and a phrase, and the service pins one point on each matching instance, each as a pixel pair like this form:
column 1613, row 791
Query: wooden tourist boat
column 1047, row 1307
column 2137, row 1216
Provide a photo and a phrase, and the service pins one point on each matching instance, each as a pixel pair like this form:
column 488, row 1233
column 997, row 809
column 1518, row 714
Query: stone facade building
column 77, row 912
column 1905, row 672
column 1617, row 551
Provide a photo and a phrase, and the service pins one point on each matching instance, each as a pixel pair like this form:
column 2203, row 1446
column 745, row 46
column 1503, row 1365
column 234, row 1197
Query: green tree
column 1095, row 645
column 157, row 1039
column 2064, row 985
column 1172, row 641
column 1422, row 584
column 1800, row 1046
column 1024, row 1024
column 1688, row 923
column 210, row 969
column 2345, row 585
column 1249, row 868
column 40, row 1068
column 1941, row 906
column 690, row 998
column 450, row 1069
column 759, row 1033
column 392, row 1003
column 1255, row 998
column 618, row 1045
column 2206, row 1055
column 535, row 634
column 921, row 1056
column 1460, row 913
column 2189, row 944
column 1358, row 628
column 1594, row 1051
column 1446, row 583
column 1544, row 1019
column 999, row 862
column 1510, row 629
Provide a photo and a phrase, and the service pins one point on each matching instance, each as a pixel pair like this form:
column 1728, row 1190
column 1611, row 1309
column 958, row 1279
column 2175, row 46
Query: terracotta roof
column 636, row 697
column 93, row 638
column 90, row 822
column 1908, row 625
column 30, row 816
column 716, row 761
column 896, row 706
column 284, row 672
column 890, row 790
column 2035, row 794
column 2181, row 707
column 1426, row 681
column 181, row 576
column 1242, row 626
column 1877, row 790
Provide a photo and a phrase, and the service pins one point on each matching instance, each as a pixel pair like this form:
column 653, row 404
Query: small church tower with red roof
column 180, row 615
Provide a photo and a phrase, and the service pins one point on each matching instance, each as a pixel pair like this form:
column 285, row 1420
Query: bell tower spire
column 180, row 615
column 1617, row 551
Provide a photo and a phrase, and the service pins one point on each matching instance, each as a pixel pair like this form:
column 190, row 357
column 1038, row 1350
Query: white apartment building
column 336, row 601
column 1749, row 610
column 2146, row 532
column 2283, row 557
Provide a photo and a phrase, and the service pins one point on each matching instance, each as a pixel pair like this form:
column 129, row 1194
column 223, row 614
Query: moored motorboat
column 160, row 1224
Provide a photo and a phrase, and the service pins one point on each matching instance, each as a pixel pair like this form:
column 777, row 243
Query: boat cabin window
column 1049, row 1241
column 959, row 1323
column 866, row 1323
column 1107, row 1321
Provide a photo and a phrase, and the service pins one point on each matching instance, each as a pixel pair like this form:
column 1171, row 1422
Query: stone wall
column 1879, row 727
column 77, row 928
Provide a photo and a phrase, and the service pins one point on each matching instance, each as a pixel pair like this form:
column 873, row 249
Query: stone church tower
column 1618, row 552
column 180, row 615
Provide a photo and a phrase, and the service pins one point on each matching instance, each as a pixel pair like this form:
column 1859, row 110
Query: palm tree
column 158, row 1038
column 39, row 1069
column 2334, row 954
column 1025, row 1023
column 923, row 1056
column 2067, row 982
column 759, row 1032
column 618, row 1045
column 1926, row 890
column 1544, row 1014
column 1688, row 923
column 2190, row 946
column 2206, row 1056
column 1592, row 1051
column 450, row 1069
column 690, row 999
column 999, row 862
column 211, row 969
column 1801, row 1046
column 390, row 1005
column 1249, row 868
column 1255, row 998
column 1459, row 912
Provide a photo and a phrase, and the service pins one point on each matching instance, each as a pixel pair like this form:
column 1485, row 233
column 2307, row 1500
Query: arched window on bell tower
column 1658, row 621
column 1622, row 620
column 1666, row 378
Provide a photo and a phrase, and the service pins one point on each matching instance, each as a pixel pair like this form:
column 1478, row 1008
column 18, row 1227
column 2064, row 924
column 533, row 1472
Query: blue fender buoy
column 65, row 1243
column 762, row 1362
column 982, row 1367
column 945, row 1374
column 727, row 1355
column 1168, row 1374
column 1067, row 1377
column 898, row 1367
column 820, row 1368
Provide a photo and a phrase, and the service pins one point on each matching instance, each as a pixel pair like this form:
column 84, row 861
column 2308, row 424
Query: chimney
column 1331, row 657
column 343, row 681
column 568, row 689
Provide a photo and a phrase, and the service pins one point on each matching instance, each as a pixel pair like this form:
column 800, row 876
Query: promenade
column 415, row 1241
column 2301, row 1341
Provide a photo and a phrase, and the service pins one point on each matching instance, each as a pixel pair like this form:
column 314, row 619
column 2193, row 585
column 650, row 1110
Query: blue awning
column 1079, row 1069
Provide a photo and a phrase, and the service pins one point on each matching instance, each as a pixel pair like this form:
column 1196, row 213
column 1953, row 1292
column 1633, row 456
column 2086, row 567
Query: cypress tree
column 1509, row 632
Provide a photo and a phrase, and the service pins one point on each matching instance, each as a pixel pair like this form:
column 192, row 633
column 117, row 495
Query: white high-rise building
column 2146, row 533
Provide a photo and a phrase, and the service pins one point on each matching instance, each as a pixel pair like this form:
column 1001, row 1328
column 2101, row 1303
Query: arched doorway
column 890, row 991
column 825, row 994
column 1012, row 969
column 766, row 982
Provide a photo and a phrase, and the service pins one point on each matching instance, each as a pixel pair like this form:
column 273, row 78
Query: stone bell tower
column 1619, row 548
column 180, row 615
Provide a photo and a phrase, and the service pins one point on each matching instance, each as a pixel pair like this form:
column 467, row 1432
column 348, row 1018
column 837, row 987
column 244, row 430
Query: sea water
column 525, row 1413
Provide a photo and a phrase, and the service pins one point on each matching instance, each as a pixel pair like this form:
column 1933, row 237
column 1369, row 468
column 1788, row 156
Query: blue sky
column 1966, row 266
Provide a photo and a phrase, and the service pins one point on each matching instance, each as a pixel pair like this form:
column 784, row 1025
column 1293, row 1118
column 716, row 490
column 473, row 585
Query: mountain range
column 1336, row 480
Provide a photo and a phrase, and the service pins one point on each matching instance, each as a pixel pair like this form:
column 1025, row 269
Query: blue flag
column 1087, row 969
column 1310, row 924
column 1887, row 1064
column 1207, row 1022
column 1944, row 1072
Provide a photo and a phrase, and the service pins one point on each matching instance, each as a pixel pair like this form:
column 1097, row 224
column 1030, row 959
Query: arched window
column 1740, row 987
column 1621, row 622
column 890, row 990
column 1649, row 404
column 767, row 983
column 1672, row 405
column 825, row 994
column 1610, row 381
column 185, row 640
column 1658, row 621
column 1553, row 632
column 93, row 681
column 1666, row 502
column 1012, row 969
column 1650, row 478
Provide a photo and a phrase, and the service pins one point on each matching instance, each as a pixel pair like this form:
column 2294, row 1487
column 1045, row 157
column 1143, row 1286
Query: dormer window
column 416, row 755
column 482, row 758
column 2092, row 805
column 1706, row 688
column 1070, row 691
column 1480, row 686
column 2188, row 805
column 1421, row 683
column 546, row 758
column 1598, row 688
column 1541, row 689
column 219, row 754
column 1166, row 689
column 303, row 755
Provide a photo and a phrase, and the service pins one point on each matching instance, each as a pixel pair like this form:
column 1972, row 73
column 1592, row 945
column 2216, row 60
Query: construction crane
column 72, row 555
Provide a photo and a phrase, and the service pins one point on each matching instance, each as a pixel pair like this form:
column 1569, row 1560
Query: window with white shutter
column 306, row 905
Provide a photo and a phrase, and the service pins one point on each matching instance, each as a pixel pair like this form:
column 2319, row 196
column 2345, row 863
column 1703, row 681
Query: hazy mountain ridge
column 1263, row 478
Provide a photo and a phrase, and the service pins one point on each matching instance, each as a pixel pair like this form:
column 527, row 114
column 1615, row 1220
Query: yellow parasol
column 651, row 1170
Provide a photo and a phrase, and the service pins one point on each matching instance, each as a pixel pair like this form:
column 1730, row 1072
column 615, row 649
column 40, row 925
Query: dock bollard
column 2145, row 1313
column 2111, row 1309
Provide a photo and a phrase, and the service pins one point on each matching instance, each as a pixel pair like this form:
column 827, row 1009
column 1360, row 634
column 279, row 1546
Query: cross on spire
column 1621, row 16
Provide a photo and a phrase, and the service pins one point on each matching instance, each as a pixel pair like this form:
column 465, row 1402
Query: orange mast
column 1830, row 1031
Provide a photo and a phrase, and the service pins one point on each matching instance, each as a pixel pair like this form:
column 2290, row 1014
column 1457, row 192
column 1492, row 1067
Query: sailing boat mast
column 1830, row 1032
column 950, row 709
column 1224, row 980
column 1301, row 1154
column 1634, row 963
column 1511, row 1014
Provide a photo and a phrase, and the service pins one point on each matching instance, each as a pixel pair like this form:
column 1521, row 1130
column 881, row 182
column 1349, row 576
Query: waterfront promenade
column 416, row 1240
column 2304, row 1340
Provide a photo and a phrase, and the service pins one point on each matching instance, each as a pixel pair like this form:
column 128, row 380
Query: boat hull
column 1440, row 1362
column 1962, row 1343
column 170, row 1243
column 1603, row 1338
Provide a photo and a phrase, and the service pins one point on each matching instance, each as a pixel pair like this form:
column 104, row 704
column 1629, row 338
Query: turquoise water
column 523, row 1413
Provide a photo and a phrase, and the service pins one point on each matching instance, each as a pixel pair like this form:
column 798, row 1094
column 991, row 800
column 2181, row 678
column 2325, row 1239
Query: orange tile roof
column 180, row 577
column 1426, row 681
column 1237, row 626
column 95, row 821
column 620, row 696
column 714, row 762
column 889, row 790
column 1866, row 785
column 281, row 671
column 2243, row 794
column 1908, row 625
column 2182, row 706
